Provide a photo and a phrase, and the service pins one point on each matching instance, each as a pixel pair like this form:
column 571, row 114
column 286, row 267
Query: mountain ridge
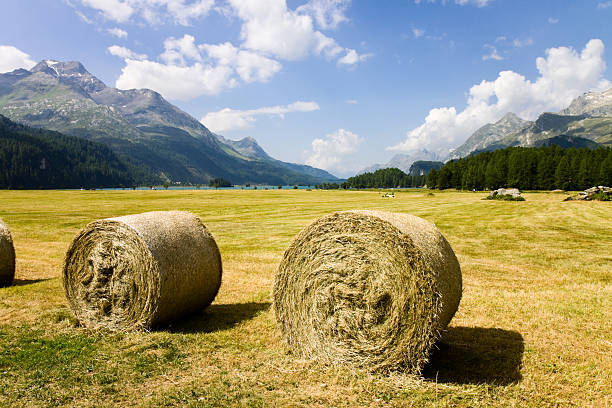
column 588, row 116
column 140, row 126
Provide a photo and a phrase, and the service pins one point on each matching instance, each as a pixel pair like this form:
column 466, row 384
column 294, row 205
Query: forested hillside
column 543, row 168
column 384, row 178
column 33, row 158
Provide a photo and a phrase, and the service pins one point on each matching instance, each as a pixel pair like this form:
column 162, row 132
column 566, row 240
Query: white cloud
column 352, row 57
column 328, row 153
column 248, row 65
column 272, row 29
column 553, row 20
column 176, row 82
column 117, row 32
column 125, row 53
column 418, row 32
column 12, row 58
column 352, row 102
column 116, row 10
column 269, row 32
column 604, row 5
column 152, row 11
column 563, row 75
column 493, row 54
column 231, row 119
column 327, row 13
column 180, row 51
column 203, row 69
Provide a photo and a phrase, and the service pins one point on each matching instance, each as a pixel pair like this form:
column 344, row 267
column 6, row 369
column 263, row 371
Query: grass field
column 534, row 327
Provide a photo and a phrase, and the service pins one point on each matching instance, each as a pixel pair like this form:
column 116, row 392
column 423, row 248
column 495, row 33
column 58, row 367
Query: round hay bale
column 141, row 271
column 7, row 256
column 368, row 289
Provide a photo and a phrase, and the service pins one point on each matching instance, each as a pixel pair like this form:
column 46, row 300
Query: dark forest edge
column 527, row 168
column 32, row 158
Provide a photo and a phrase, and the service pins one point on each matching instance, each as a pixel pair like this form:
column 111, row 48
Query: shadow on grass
column 218, row 317
column 23, row 282
column 467, row 355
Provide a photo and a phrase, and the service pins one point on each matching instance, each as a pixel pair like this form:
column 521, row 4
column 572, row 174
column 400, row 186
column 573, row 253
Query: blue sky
column 332, row 83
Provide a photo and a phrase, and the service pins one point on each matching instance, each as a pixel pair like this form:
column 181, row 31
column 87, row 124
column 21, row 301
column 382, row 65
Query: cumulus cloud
column 12, row 58
column 232, row 119
column 564, row 74
column 116, row 10
column 125, row 53
column 327, row 13
column 187, row 70
column 152, row 11
column 328, row 152
column 248, row 65
column 270, row 32
column 352, row 57
column 272, row 29
column 176, row 82
column 117, row 32
column 180, row 51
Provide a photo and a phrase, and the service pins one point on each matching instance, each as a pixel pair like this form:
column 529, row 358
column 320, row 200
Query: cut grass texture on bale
column 368, row 289
column 7, row 256
column 141, row 271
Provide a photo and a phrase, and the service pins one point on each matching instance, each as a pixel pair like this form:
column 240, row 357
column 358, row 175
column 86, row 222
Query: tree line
column 384, row 178
column 527, row 168
column 33, row 158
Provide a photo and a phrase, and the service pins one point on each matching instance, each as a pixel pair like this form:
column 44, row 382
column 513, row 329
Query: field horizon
column 534, row 326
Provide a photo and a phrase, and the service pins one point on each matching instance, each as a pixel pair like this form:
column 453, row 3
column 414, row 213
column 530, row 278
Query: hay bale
column 7, row 256
column 141, row 271
column 368, row 289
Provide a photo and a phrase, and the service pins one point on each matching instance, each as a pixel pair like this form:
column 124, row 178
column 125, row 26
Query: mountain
column 403, row 161
column 248, row 147
column 566, row 142
column 489, row 134
column 588, row 117
column 32, row 158
column 592, row 104
column 549, row 125
column 140, row 126
column 422, row 167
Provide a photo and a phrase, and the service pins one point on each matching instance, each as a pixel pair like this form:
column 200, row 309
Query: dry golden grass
column 534, row 327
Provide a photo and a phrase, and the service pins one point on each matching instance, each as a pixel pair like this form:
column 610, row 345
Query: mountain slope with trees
column 140, row 126
column 35, row 158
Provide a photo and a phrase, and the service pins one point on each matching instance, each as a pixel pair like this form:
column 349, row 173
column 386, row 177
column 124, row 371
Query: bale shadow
column 218, row 317
column 474, row 355
column 23, row 282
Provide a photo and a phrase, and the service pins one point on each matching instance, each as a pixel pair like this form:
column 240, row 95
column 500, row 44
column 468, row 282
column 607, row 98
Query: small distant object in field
column 510, row 194
column 367, row 289
column 141, row 271
column 600, row 193
column 430, row 194
column 558, row 191
column 388, row 195
column 7, row 256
